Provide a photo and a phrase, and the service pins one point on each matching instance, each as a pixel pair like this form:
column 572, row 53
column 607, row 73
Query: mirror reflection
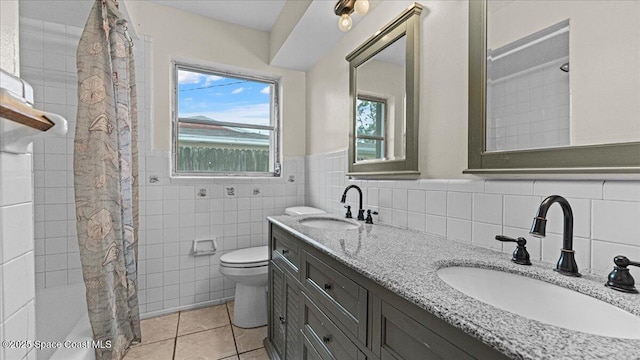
column 380, row 105
column 528, row 91
column 550, row 82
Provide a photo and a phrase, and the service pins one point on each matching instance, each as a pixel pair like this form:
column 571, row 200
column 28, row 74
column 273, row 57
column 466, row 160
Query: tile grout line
column 175, row 345
column 233, row 334
column 175, row 339
column 199, row 331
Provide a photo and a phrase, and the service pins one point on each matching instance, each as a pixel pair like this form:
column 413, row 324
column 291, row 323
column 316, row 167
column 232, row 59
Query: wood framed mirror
column 601, row 132
column 384, row 83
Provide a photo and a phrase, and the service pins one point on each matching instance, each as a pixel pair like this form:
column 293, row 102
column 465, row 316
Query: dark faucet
column 567, row 262
column 344, row 199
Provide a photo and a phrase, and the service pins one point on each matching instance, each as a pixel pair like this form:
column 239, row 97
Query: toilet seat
column 246, row 258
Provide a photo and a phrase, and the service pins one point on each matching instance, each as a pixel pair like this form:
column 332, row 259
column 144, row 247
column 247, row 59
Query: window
column 370, row 123
column 225, row 124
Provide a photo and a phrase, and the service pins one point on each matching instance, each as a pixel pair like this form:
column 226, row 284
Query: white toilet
column 248, row 268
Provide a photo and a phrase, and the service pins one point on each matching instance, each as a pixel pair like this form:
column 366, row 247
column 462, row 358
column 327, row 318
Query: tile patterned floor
column 204, row 334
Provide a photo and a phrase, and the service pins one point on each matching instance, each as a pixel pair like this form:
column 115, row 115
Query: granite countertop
column 406, row 262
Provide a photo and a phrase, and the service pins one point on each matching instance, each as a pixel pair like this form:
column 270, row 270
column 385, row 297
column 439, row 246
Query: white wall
column 17, row 290
column 443, row 90
column 184, row 36
column 286, row 22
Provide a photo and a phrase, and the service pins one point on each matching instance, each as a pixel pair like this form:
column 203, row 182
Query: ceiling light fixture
column 344, row 8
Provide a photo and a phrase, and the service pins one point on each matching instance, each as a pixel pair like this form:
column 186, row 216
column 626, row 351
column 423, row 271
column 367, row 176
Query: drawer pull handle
column 285, row 251
column 326, row 339
column 282, row 320
column 327, row 287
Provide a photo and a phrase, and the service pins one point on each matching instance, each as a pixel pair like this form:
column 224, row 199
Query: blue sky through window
column 223, row 98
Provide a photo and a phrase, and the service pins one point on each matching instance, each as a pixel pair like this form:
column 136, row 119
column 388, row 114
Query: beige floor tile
column 234, row 357
column 160, row 328
column 230, row 308
column 202, row 319
column 206, row 345
column 162, row 350
column 259, row 354
column 249, row 339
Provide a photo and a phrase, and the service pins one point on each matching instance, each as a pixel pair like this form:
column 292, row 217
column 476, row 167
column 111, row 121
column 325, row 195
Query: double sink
column 522, row 295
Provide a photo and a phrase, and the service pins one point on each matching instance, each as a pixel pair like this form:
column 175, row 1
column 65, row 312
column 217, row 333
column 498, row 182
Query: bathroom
column 298, row 43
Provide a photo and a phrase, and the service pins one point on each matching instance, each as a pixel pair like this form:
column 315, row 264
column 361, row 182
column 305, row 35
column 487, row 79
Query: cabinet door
column 293, row 343
column 285, row 322
column 403, row 338
column 277, row 319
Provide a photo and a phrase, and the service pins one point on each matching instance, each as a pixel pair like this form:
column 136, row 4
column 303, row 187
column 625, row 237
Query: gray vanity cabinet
column 320, row 309
column 284, row 300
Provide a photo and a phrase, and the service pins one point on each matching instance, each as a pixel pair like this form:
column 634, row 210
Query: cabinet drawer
column 406, row 339
column 308, row 351
column 325, row 336
column 285, row 251
column 340, row 296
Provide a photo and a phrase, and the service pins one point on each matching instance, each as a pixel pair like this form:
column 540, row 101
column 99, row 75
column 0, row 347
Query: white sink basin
column 329, row 223
column 542, row 301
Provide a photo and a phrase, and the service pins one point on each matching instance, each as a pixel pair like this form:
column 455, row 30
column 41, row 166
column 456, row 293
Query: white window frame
column 275, row 167
column 383, row 128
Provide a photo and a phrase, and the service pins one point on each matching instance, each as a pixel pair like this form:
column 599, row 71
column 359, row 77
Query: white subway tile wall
column 57, row 260
column 529, row 109
column 605, row 213
column 173, row 213
column 17, row 289
column 176, row 214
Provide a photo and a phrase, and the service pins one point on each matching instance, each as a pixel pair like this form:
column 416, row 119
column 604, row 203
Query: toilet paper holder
column 204, row 247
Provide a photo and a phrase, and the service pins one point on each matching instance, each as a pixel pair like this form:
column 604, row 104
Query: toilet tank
column 303, row 210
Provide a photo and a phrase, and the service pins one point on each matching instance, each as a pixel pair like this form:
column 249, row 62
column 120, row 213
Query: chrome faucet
column 344, row 199
column 567, row 262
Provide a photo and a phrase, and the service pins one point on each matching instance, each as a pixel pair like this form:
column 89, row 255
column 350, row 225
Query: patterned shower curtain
column 106, row 172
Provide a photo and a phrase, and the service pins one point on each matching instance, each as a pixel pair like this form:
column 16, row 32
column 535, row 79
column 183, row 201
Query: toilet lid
column 249, row 257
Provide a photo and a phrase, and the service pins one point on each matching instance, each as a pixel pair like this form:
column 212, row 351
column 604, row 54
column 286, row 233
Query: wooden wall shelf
column 13, row 109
